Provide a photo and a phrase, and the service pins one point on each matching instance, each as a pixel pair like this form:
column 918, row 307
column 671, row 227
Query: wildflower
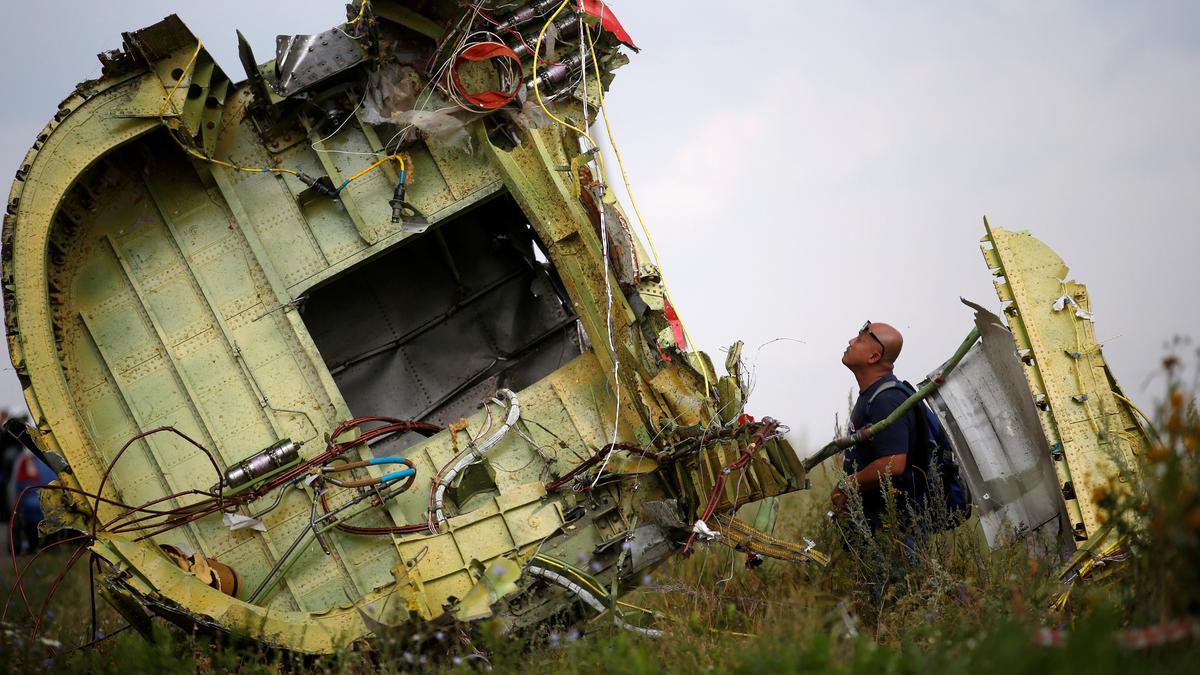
column 1192, row 519
column 1177, row 399
column 1175, row 420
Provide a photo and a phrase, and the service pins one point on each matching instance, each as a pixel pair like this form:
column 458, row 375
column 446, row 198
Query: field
column 954, row 607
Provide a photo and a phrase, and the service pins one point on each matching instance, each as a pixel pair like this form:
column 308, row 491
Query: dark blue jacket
column 899, row 438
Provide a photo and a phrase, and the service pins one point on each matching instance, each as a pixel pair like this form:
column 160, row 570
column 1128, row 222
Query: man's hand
column 838, row 497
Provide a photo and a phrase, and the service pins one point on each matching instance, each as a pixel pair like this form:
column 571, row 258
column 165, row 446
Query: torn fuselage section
column 498, row 381
column 432, row 328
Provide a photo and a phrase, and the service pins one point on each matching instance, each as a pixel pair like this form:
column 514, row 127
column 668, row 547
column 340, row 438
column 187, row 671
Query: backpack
column 935, row 460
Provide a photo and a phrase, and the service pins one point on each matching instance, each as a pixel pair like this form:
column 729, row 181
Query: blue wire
column 395, row 475
column 385, row 460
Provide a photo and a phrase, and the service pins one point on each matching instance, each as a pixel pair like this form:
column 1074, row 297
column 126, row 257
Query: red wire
column 37, row 625
column 766, row 427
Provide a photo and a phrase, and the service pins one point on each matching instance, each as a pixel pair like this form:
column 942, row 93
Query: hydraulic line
column 367, row 482
column 590, row 600
column 155, row 522
column 318, row 526
column 472, row 455
column 588, row 463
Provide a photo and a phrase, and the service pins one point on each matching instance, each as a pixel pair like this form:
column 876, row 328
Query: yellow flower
column 1157, row 452
column 1192, row 519
column 1175, row 421
column 1176, row 399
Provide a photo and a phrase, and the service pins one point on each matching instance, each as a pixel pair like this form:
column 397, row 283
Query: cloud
column 710, row 158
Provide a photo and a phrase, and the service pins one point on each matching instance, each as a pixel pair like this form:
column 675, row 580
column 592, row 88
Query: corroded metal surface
column 160, row 242
column 1089, row 425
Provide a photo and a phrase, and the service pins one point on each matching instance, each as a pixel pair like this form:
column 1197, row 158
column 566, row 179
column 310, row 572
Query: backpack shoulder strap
column 890, row 384
column 918, row 410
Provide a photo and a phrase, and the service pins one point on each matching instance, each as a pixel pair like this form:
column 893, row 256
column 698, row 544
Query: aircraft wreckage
column 364, row 340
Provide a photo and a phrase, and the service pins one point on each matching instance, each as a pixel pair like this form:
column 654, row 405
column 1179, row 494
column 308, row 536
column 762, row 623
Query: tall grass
column 953, row 607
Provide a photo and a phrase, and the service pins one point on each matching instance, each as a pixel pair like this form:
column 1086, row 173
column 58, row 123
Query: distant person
column 871, row 355
column 27, row 472
column 10, row 449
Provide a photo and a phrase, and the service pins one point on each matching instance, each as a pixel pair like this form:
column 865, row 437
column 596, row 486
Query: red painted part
column 27, row 471
column 485, row 51
column 766, row 428
column 608, row 21
column 676, row 325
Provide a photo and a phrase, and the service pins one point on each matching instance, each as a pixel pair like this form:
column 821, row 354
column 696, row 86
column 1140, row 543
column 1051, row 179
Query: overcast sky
column 805, row 167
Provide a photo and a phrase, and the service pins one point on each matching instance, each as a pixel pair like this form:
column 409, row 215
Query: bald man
column 871, row 355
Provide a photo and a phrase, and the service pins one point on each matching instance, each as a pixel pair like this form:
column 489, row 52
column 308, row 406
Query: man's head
column 873, row 350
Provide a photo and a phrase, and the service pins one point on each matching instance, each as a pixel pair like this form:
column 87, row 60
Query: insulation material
column 391, row 89
column 530, row 116
column 1067, row 301
column 436, row 125
column 391, row 98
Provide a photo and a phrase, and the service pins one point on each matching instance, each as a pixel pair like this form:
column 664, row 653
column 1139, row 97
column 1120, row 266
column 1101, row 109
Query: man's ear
column 874, row 358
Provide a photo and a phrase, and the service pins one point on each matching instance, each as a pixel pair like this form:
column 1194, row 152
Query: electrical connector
column 397, row 201
column 322, row 186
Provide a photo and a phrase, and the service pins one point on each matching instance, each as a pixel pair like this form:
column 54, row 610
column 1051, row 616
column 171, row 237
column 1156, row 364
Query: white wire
column 507, row 73
column 430, row 86
column 336, row 131
column 737, row 494
column 590, row 600
column 604, row 247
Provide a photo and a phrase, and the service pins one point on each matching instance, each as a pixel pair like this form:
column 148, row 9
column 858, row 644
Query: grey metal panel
column 986, row 408
column 429, row 330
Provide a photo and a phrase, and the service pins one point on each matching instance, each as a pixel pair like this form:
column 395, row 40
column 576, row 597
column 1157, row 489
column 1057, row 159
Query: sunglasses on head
column 866, row 328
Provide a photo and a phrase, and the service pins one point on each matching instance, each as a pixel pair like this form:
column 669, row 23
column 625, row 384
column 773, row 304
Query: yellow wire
column 362, row 10
column 537, row 94
column 603, row 174
column 612, row 140
column 371, row 168
column 186, row 69
column 189, row 149
column 1138, row 410
column 587, row 580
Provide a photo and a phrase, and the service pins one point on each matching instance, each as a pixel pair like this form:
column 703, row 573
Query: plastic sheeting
column 395, row 96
